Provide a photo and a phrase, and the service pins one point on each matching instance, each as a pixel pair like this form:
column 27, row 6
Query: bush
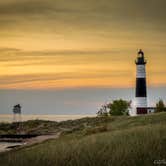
column 117, row 107
column 160, row 106
column 103, row 111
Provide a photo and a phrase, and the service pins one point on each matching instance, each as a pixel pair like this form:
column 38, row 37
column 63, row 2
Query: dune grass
column 121, row 141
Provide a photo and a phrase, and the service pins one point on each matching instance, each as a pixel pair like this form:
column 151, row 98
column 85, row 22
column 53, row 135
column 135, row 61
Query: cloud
column 78, row 23
column 30, row 78
column 14, row 54
column 7, row 50
column 87, row 38
column 24, row 7
column 81, row 12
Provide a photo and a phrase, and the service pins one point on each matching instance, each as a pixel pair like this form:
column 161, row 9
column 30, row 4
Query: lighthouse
column 141, row 88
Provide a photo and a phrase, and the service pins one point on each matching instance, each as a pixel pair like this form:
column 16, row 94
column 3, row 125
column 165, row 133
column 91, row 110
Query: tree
column 160, row 107
column 119, row 107
column 103, row 111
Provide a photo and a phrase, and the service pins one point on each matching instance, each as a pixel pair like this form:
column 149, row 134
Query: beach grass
column 109, row 141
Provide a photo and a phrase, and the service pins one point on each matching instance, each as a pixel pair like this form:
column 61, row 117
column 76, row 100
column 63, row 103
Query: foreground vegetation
column 103, row 141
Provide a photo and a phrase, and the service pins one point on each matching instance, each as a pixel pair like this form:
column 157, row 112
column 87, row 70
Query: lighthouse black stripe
column 141, row 87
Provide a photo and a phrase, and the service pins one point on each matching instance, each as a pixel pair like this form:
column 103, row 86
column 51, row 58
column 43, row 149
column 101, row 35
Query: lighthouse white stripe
column 141, row 102
column 141, row 73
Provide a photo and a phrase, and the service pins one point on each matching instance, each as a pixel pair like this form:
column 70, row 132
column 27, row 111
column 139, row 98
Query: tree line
column 121, row 107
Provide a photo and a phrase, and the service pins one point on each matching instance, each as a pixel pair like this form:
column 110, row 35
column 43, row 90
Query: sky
column 59, row 46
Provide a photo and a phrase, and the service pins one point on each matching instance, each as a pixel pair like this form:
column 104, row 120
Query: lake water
column 58, row 118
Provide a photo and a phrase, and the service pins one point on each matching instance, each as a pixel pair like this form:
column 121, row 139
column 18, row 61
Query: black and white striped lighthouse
column 141, row 89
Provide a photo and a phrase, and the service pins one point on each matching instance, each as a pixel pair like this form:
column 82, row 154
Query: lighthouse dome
column 140, row 58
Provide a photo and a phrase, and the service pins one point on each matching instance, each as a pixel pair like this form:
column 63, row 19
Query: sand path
column 41, row 138
column 27, row 142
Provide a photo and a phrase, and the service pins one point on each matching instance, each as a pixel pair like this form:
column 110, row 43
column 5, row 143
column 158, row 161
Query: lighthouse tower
column 141, row 89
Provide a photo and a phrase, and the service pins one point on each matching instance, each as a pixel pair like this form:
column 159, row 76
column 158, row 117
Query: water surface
column 58, row 118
